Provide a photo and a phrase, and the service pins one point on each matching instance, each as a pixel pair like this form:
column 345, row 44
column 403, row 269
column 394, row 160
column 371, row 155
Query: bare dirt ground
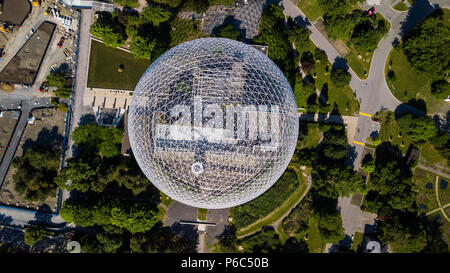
column 23, row 68
column 7, row 125
column 47, row 130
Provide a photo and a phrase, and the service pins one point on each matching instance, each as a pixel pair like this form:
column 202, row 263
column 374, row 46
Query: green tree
column 130, row 215
column 440, row 89
column 127, row 3
column 391, row 75
column 369, row 167
column 418, row 128
column 36, row 170
column 404, row 234
column 79, row 174
column 330, row 226
column 299, row 36
column 272, row 32
column 265, row 241
column 154, row 14
column 426, row 47
column 229, row 32
column 98, row 139
column 170, row 3
column 56, row 79
column 34, row 234
column 112, row 35
column 292, row 245
column 297, row 222
column 340, row 77
column 365, row 37
column 142, row 47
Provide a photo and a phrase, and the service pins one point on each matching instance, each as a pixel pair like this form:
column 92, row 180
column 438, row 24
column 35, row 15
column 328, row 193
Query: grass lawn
column 183, row 30
column 445, row 226
column 356, row 199
column 343, row 97
column 166, row 200
column 104, row 63
column 444, row 195
column 425, row 196
column 357, row 240
column 390, row 131
column 431, row 155
column 362, row 66
column 400, row 7
column 408, row 85
column 283, row 235
column 161, row 214
column 201, row 214
column 311, row 9
column 312, row 139
column 315, row 243
column 278, row 212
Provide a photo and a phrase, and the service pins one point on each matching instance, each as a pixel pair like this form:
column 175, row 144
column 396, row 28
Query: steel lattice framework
column 213, row 123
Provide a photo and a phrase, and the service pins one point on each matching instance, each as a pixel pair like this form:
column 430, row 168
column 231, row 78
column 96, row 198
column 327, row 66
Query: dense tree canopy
column 404, row 233
column 330, row 226
column 98, row 139
column 154, row 14
column 34, row 234
column 229, row 32
column 340, row 77
column 418, row 128
column 265, row 241
column 331, row 177
column 112, row 35
column 36, row 170
column 127, row 3
column 440, row 89
column 390, row 186
column 299, row 36
column 170, row 3
column 298, row 219
column 272, row 32
column 128, row 214
column 426, row 47
column 55, row 79
column 142, row 48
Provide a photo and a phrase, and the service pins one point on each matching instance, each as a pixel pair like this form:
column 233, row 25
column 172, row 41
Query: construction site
column 36, row 39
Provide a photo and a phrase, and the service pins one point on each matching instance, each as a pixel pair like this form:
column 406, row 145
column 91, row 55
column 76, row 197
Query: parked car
column 371, row 11
column 61, row 42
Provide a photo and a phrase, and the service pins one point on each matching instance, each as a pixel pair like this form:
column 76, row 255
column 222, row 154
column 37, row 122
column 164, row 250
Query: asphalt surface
column 178, row 212
column 373, row 93
column 26, row 106
column 220, row 218
column 82, row 69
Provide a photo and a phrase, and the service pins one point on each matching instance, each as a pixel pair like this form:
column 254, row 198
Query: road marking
column 364, row 114
column 359, row 143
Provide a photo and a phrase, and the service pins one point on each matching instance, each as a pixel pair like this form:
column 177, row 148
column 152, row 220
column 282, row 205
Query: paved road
column 26, row 107
column 81, row 75
column 373, row 93
column 220, row 218
column 178, row 212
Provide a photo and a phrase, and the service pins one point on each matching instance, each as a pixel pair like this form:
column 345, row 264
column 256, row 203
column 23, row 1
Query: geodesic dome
column 213, row 123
